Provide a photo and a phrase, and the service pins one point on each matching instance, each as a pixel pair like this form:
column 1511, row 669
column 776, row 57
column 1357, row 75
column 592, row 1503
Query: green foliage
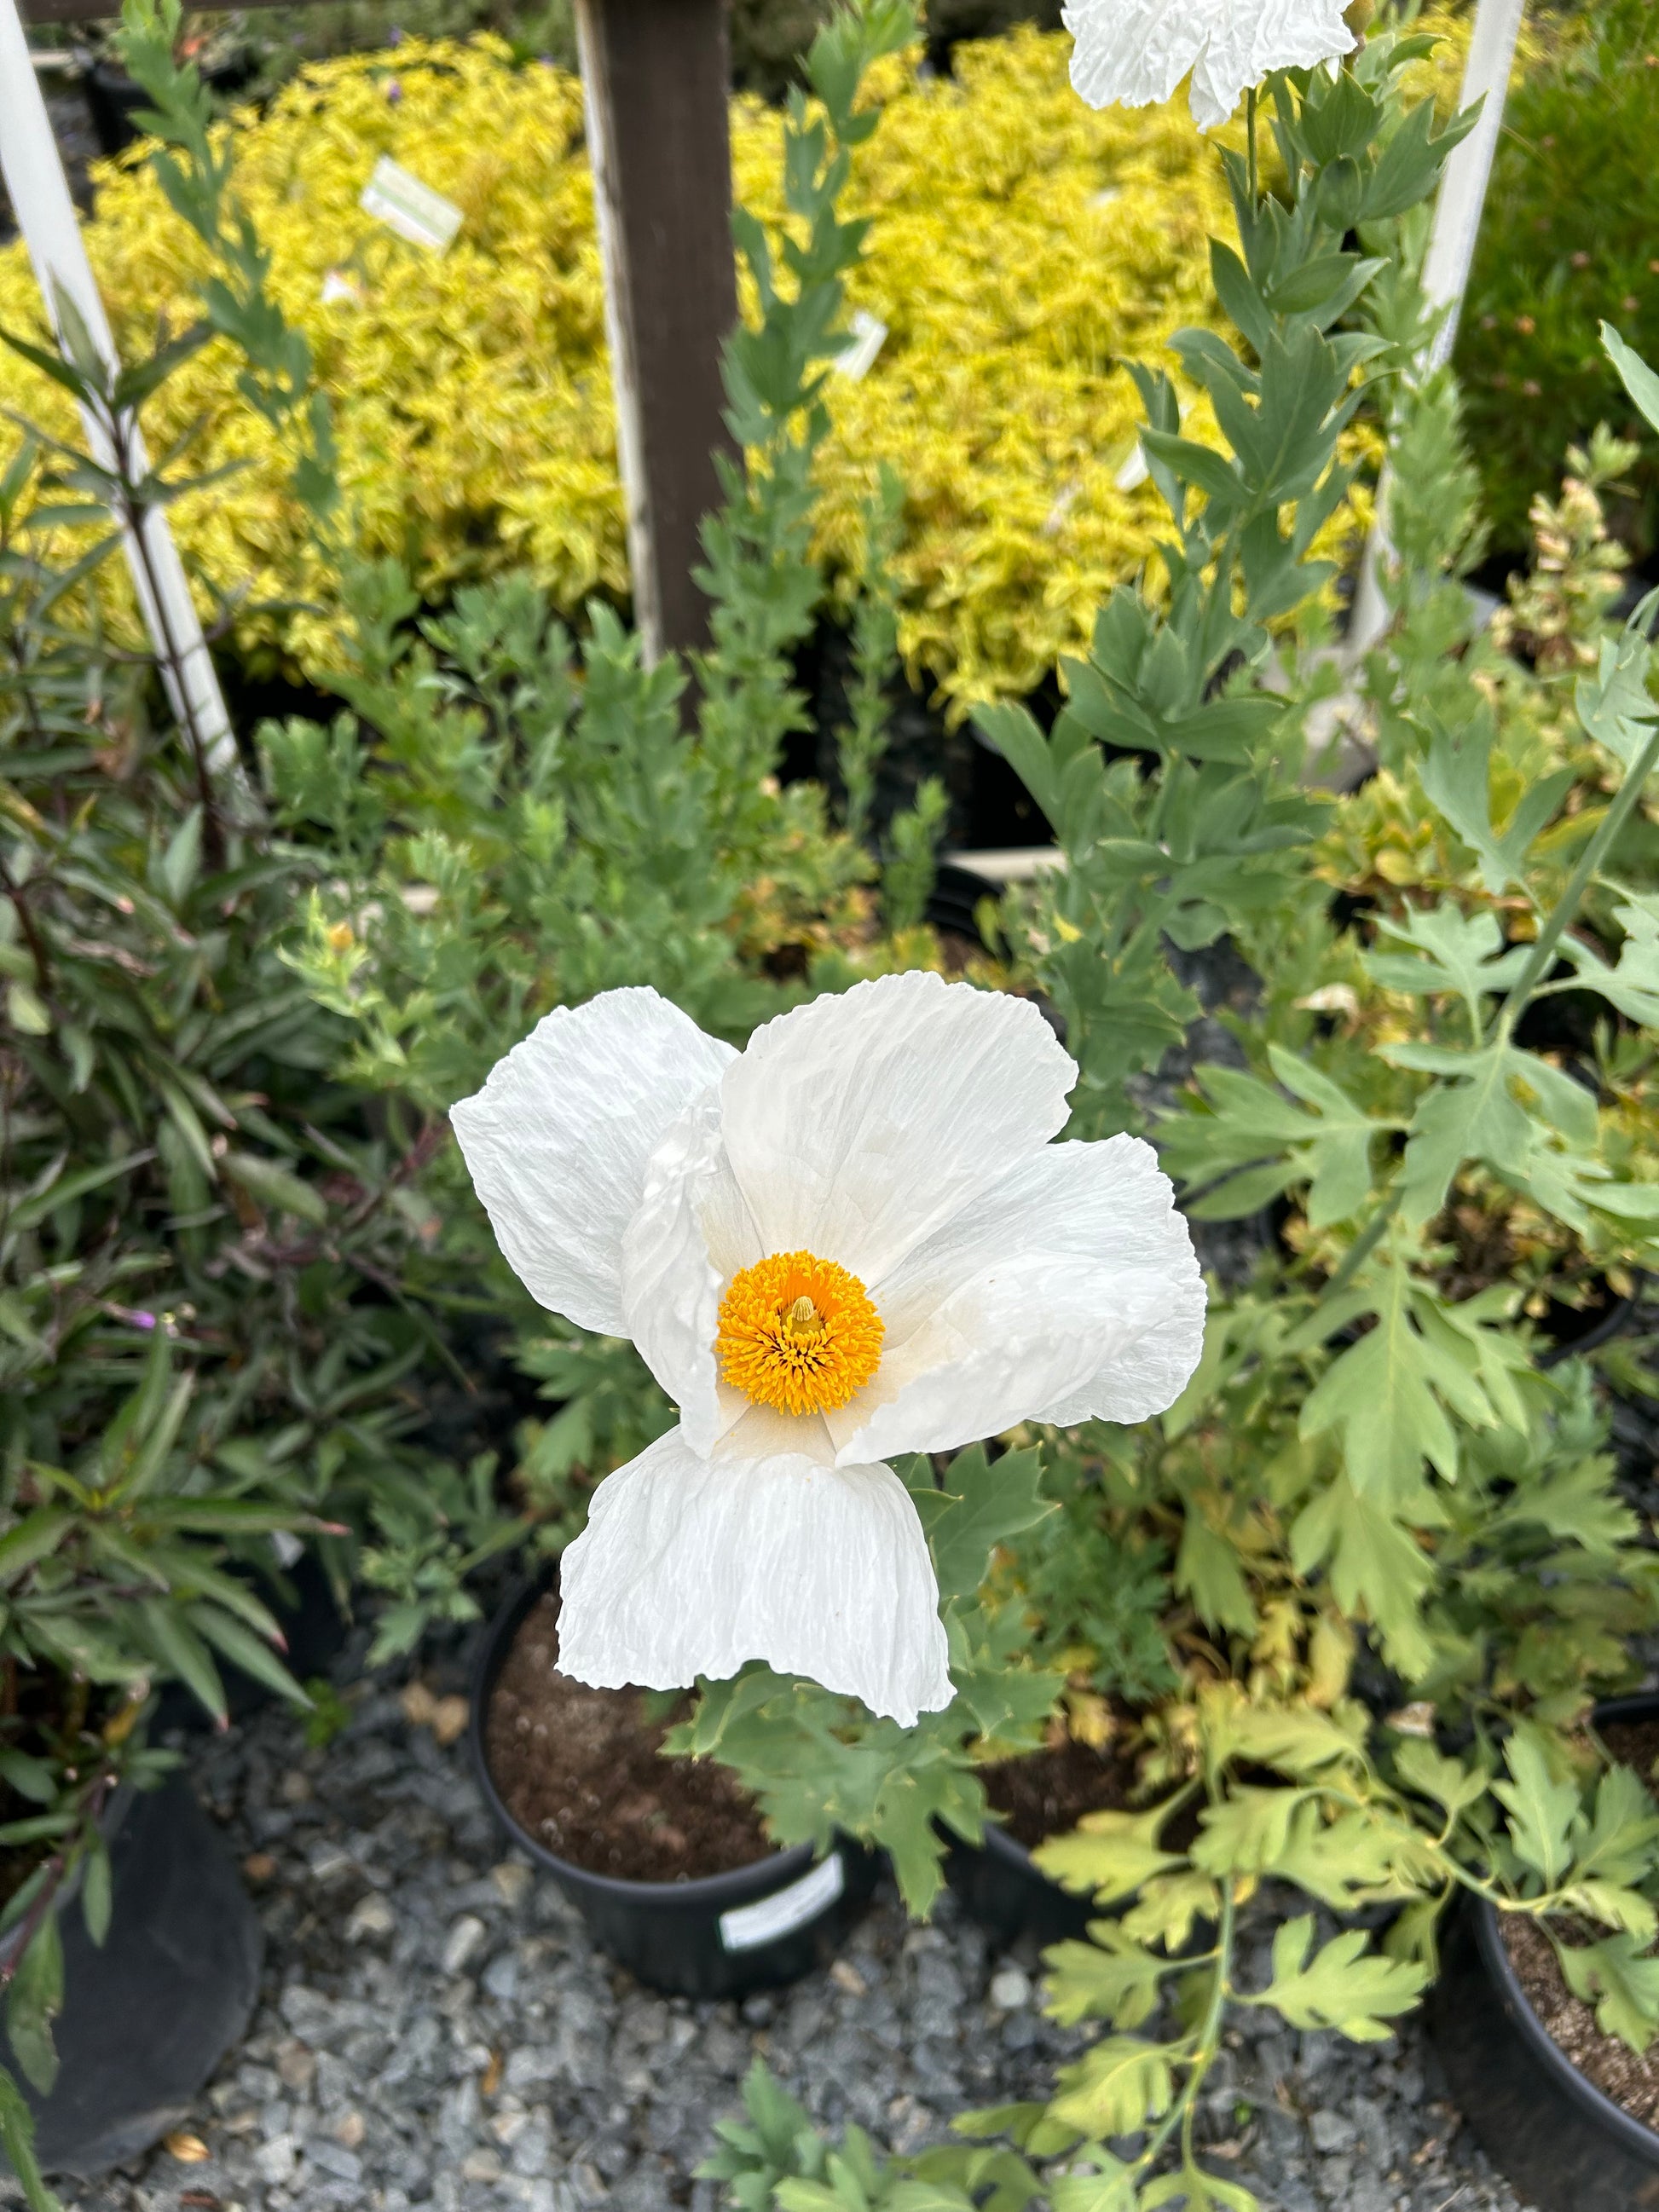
column 1567, row 240
column 1369, row 1442
column 1168, row 773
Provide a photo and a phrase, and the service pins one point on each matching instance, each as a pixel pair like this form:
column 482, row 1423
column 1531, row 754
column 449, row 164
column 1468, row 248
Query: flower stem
column 1567, row 905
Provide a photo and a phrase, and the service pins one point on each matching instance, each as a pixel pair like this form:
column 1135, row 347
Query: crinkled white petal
column 1070, row 1291
column 1136, row 52
column 689, row 1566
column 858, row 1125
column 690, row 1234
column 557, row 1140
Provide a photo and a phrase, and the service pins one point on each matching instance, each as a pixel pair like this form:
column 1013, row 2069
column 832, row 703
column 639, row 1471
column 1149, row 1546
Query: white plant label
column 1135, row 471
column 857, row 356
column 413, row 209
column 746, row 1926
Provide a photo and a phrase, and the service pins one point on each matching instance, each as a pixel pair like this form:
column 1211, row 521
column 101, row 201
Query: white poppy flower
column 1136, row 52
column 852, row 1239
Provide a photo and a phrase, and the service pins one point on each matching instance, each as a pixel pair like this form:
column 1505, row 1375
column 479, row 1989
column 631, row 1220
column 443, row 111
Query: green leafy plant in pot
column 212, row 1277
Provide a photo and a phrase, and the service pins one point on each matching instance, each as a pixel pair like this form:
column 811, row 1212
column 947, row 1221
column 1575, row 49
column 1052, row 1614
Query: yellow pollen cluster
column 797, row 1332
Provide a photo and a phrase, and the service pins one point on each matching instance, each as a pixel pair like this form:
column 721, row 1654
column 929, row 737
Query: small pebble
column 513, row 1882
column 465, row 1936
column 1011, row 1989
column 328, row 1861
column 296, row 2065
column 370, row 1916
column 449, row 1718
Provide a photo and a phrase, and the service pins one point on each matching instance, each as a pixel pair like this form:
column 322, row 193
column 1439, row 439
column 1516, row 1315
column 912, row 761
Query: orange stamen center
column 797, row 1332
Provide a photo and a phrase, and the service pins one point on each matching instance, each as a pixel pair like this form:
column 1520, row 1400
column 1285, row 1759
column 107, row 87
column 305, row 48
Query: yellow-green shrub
column 1022, row 243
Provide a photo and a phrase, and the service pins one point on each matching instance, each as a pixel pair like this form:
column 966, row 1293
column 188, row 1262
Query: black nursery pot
column 148, row 2017
column 1563, row 2145
column 721, row 1936
column 956, row 895
column 1000, row 1884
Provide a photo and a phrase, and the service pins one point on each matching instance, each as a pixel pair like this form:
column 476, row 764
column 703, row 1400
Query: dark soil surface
column 1636, row 1744
column 1612, row 2066
column 1048, row 1792
column 580, row 1769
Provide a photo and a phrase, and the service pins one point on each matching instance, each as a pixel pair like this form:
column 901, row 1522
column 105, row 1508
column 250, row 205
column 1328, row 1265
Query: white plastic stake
column 1468, row 172
column 40, row 193
column 1450, row 256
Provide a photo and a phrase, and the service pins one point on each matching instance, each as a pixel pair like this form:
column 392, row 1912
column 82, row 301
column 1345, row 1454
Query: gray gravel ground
column 435, row 2030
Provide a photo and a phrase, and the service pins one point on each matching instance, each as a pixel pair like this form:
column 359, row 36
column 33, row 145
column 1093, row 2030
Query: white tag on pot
column 746, row 1926
column 857, row 356
column 413, row 209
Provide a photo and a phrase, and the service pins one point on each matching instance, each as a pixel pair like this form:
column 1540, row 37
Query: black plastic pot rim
column 704, row 1893
column 1640, row 2140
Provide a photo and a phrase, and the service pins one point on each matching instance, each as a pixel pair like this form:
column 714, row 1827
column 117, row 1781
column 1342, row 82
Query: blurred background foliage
column 1024, row 248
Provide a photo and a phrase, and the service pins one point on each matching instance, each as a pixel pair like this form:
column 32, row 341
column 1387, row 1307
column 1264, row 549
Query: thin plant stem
column 1514, row 1004
column 1566, row 906
column 1364, row 1245
column 1180, row 2114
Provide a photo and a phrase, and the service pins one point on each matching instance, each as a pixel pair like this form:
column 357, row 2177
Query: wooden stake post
column 655, row 78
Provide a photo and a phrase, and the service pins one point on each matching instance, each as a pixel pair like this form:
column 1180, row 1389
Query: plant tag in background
column 1134, row 471
column 746, row 1926
column 857, row 356
column 413, row 209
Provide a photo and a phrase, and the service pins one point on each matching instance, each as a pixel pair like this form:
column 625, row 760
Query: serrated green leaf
column 1112, row 1977
column 1621, row 1981
column 990, row 1502
column 1169, row 1907
column 1432, row 1774
column 1542, row 1809
column 1346, row 1985
column 1116, row 2087
column 1109, row 1855
column 1379, row 1570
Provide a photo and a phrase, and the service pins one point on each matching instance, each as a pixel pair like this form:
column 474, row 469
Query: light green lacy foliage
column 1368, row 1444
